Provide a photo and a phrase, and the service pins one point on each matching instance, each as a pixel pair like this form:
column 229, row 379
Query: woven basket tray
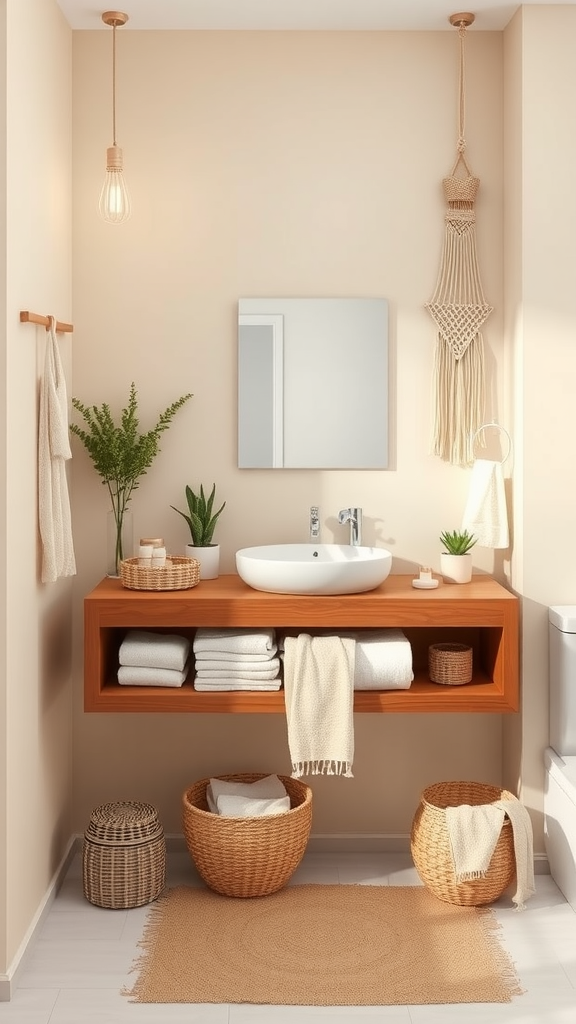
column 177, row 574
column 247, row 856
column 123, row 856
column 450, row 664
column 432, row 855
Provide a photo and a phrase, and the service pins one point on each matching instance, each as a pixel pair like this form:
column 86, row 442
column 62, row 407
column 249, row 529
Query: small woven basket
column 177, row 574
column 247, row 856
column 431, row 851
column 450, row 664
column 124, row 856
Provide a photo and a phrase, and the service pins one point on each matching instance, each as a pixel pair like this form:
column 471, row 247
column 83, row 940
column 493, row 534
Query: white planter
column 456, row 568
column 209, row 559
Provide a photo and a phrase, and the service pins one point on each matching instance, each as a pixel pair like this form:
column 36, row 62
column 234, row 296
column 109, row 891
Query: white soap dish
column 424, row 584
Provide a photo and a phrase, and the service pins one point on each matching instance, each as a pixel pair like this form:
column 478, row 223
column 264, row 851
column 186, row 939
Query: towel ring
column 498, row 427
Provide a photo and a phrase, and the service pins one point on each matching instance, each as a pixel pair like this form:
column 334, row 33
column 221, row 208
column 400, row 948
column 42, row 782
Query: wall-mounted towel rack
column 497, row 426
column 44, row 321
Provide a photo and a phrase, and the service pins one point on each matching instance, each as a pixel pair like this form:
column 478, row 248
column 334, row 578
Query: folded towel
column 485, row 514
column 268, row 788
column 318, row 680
column 249, row 807
column 523, row 848
column 237, row 684
column 237, row 641
column 239, row 659
column 134, row 675
column 473, row 831
column 154, row 650
column 227, row 670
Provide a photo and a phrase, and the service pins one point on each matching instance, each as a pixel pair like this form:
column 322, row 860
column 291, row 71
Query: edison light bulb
column 114, row 199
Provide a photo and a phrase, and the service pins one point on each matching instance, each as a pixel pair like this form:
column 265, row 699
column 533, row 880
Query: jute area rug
column 321, row 945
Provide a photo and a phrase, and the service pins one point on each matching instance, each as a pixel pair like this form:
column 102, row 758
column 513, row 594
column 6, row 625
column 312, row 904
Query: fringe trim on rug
column 324, row 767
column 147, row 944
column 491, row 928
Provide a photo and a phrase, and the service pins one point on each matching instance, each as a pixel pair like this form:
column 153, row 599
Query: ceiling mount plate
column 114, row 18
column 465, row 19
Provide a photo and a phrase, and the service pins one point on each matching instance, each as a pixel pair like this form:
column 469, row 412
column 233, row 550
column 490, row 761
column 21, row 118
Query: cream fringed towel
column 319, row 692
column 53, row 453
column 473, row 832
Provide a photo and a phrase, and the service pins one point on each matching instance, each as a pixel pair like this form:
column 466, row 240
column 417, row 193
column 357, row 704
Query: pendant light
column 114, row 199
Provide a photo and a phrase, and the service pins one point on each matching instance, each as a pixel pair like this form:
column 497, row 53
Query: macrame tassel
column 459, row 309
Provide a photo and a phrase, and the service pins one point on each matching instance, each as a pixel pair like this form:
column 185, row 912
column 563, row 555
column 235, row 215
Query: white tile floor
column 83, row 957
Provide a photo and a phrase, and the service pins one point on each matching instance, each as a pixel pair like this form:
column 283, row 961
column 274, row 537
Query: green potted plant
column 455, row 559
column 202, row 519
column 121, row 455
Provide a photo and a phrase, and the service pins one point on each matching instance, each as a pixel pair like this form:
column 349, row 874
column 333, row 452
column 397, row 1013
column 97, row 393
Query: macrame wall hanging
column 458, row 305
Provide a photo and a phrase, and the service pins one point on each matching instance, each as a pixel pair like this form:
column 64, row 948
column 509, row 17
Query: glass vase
column 119, row 540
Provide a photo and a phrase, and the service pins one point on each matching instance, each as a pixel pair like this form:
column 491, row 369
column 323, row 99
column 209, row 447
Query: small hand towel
column 54, row 451
column 268, row 788
column 228, row 670
column 318, row 680
column 485, row 514
column 239, row 659
column 523, row 849
column 473, row 832
column 134, row 675
column 250, row 807
column 236, row 684
column 154, row 650
column 237, row 641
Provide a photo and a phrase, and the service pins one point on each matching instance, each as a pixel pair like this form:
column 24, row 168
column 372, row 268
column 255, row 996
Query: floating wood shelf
column 482, row 613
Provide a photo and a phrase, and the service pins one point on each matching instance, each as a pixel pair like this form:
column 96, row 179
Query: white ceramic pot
column 208, row 557
column 456, row 568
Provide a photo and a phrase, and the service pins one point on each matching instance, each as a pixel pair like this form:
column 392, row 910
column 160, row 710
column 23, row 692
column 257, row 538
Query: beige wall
column 280, row 164
column 35, row 664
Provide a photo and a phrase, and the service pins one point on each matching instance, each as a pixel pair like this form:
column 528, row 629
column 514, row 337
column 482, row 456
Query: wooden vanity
column 481, row 613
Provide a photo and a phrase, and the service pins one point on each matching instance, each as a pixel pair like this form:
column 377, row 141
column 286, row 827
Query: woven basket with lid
column 124, row 855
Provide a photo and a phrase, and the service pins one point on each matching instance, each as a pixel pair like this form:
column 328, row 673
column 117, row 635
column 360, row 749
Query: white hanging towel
column 485, row 514
column 53, row 452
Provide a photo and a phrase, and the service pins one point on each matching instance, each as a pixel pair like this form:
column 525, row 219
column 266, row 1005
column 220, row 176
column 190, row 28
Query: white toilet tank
column 562, row 654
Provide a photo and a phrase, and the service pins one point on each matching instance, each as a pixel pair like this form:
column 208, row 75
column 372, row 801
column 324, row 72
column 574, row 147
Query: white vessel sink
column 313, row 568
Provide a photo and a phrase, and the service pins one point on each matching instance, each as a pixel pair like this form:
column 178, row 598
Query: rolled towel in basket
column 251, row 807
column 268, row 788
column 235, row 641
column 154, row 650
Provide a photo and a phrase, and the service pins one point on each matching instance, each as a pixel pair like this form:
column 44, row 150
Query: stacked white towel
column 382, row 658
column 153, row 659
column 236, row 659
column 247, row 799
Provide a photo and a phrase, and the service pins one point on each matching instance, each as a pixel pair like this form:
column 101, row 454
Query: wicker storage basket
column 124, row 856
column 450, row 664
column 247, row 856
column 177, row 574
column 430, row 845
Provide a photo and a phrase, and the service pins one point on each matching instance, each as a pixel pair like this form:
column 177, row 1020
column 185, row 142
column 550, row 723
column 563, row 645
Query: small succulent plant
column 457, row 542
column 200, row 517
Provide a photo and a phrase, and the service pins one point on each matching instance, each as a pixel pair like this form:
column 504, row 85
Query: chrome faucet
column 354, row 517
column 314, row 522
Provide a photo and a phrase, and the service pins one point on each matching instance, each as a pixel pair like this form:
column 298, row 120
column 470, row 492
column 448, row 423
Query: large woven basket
column 430, row 845
column 178, row 574
column 124, row 855
column 247, row 856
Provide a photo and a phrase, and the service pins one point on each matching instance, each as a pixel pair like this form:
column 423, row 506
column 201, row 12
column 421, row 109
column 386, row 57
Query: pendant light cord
column 114, row 84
